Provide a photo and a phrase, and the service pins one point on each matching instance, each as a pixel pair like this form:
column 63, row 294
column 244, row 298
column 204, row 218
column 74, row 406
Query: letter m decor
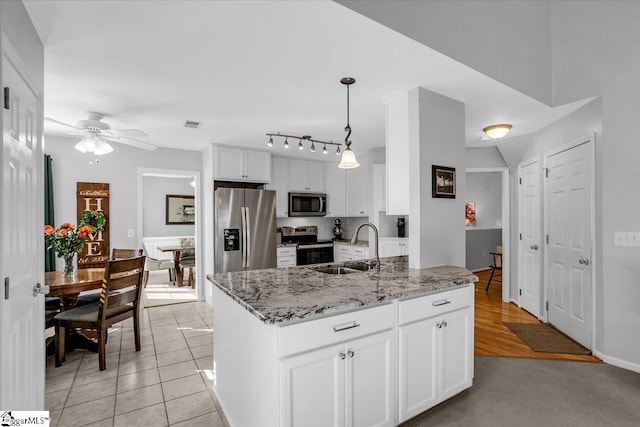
column 94, row 196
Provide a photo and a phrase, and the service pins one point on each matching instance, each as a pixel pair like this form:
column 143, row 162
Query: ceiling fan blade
column 128, row 132
column 132, row 142
column 50, row 120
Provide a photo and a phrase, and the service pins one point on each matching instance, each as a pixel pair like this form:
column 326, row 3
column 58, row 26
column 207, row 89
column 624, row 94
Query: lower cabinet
column 435, row 360
column 347, row 252
column 349, row 384
column 286, row 256
column 394, row 246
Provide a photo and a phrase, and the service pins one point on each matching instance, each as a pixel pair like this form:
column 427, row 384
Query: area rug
column 543, row 338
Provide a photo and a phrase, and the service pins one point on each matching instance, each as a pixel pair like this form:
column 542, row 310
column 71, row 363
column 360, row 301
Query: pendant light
column 348, row 159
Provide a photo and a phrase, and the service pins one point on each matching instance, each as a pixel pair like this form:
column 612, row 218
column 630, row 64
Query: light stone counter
column 277, row 296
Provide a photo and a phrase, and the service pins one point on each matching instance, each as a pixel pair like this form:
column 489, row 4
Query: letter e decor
column 93, row 197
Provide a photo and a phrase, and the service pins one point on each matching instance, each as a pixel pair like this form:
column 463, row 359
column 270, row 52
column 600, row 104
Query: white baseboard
column 618, row 362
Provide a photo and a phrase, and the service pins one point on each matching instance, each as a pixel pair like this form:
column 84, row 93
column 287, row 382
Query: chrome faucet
column 375, row 231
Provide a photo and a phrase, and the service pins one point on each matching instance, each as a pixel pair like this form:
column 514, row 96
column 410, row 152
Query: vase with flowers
column 67, row 240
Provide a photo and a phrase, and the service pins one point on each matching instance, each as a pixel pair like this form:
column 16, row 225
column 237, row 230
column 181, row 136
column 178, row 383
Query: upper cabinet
column 280, row 183
column 358, row 189
column 379, row 187
column 235, row 164
column 336, row 190
column 306, row 176
column 397, row 153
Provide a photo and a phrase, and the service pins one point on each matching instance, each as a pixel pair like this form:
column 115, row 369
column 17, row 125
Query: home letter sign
column 92, row 196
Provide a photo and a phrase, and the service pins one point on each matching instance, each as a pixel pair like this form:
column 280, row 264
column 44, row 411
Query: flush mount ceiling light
column 348, row 159
column 497, row 131
column 94, row 144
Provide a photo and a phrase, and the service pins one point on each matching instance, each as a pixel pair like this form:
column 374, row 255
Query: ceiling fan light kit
column 497, row 131
column 92, row 143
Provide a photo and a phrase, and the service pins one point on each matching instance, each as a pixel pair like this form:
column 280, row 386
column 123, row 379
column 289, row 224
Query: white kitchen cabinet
column 397, row 156
column 234, row 164
column 336, row 190
column 393, row 246
column 280, row 183
column 349, row 384
column 379, row 188
column 306, row 176
column 358, row 190
column 435, row 354
column 286, row 256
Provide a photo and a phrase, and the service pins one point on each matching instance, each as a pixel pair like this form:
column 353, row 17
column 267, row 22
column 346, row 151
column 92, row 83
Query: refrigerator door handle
column 248, row 238
column 244, row 237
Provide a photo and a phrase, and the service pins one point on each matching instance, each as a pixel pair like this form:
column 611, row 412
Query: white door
column 315, row 176
column 370, row 397
column 417, row 369
column 230, row 163
column 456, row 354
column 569, row 202
column 22, row 357
column 530, row 259
column 313, row 388
column 257, row 166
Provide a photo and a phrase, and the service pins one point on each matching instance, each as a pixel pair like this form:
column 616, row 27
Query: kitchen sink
column 337, row 270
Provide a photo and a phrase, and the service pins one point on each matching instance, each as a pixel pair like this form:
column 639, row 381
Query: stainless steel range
column 310, row 250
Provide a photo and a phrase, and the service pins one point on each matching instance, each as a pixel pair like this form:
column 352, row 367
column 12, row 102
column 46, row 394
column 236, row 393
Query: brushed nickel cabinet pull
column 345, row 327
column 441, row 302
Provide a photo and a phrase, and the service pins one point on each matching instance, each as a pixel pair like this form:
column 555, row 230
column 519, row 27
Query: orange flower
column 84, row 231
column 49, row 230
column 62, row 232
column 67, row 225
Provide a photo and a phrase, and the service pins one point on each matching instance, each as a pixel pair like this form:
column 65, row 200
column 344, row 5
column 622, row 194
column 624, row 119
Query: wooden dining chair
column 496, row 266
column 92, row 296
column 119, row 300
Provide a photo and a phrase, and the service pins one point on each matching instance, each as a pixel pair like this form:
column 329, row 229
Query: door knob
column 584, row 261
column 534, row 247
column 341, row 355
column 39, row 289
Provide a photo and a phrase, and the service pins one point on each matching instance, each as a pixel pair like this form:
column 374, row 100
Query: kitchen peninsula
column 302, row 346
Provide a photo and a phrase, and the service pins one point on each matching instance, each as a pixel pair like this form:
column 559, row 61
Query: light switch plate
column 131, row 232
column 626, row 238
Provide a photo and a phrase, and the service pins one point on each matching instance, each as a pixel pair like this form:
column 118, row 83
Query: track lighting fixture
column 300, row 146
column 324, row 149
column 338, row 151
column 270, row 143
column 302, row 141
column 313, row 147
column 286, row 143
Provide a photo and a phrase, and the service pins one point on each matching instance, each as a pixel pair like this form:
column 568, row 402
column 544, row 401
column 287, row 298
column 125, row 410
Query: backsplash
column 325, row 225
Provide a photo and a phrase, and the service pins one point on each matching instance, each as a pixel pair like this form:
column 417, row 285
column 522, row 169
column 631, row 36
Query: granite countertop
column 281, row 295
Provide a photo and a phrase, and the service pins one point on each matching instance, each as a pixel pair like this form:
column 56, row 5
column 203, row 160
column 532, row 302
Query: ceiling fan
column 97, row 134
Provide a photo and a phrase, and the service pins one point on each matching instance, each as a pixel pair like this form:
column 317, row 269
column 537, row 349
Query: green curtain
column 49, row 218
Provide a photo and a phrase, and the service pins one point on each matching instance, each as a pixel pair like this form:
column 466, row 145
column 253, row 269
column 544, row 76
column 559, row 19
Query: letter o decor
column 98, row 216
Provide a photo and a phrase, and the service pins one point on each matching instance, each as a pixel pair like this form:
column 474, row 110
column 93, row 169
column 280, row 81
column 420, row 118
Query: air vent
column 192, row 124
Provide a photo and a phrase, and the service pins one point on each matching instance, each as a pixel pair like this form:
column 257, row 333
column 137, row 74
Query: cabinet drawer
column 343, row 249
column 287, row 251
column 435, row 304
column 286, row 261
column 334, row 329
column 362, row 252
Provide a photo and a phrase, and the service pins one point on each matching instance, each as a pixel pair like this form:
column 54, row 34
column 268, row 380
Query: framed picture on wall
column 470, row 213
column 181, row 209
column 443, row 182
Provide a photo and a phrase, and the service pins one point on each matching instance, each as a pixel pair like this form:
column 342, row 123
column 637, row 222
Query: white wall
column 506, row 40
column 485, row 157
column 119, row 169
column 485, row 190
column 155, row 190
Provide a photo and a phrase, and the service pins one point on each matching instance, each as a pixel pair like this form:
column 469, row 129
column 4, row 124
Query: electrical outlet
column 131, row 232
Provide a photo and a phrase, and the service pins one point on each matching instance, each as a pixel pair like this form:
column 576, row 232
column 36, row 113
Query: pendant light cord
column 347, row 128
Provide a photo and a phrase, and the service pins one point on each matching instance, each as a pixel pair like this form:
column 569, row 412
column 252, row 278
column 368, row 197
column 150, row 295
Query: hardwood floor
column 493, row 338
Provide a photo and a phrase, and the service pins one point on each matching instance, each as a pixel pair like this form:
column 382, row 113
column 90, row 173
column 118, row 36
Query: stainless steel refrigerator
column 245, row 229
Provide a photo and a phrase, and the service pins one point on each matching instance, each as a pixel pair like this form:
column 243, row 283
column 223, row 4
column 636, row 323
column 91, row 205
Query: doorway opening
column 163, row 232
column 488, row 194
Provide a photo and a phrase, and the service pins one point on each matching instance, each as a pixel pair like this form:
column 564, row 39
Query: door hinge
column 520, row 292
column 520, row 181
column 6, row 98
column 546, row 172
column 547, row 239
column 520, row 236
column 6, row 288
column 546, row 305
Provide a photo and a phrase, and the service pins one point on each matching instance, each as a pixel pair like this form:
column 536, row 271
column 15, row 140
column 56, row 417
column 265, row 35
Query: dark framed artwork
column 180, row 209
column 443, row 182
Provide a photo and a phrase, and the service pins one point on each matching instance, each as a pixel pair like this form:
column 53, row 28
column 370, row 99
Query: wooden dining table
column 67, row 289
column 177, row 250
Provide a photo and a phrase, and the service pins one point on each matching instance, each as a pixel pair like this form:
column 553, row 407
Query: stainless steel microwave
column 307, row 204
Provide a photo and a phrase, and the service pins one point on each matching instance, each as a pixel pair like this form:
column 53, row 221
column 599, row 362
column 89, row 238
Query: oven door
column 307, row 204
column 314, row 254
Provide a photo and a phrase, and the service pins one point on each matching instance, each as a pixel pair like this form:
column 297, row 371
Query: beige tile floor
column 167, row 383
column 160, row 292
